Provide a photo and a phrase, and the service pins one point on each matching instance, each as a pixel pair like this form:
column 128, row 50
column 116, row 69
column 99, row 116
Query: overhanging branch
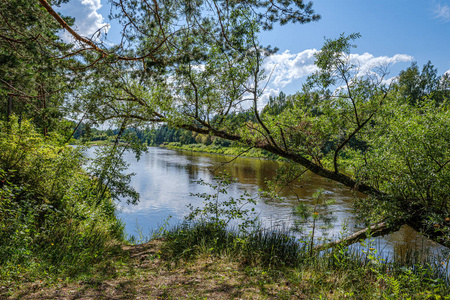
column 66, row 26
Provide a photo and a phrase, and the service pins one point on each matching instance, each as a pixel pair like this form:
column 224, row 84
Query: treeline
column 413, row 86
column 151, row 136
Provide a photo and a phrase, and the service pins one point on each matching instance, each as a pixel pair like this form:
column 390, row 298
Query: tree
column 414, row 86
column 200, row 65
column 276, row 105
column 404, row 170
column 33, row 81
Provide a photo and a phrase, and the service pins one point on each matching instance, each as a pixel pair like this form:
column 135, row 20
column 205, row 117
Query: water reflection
column 166, row 178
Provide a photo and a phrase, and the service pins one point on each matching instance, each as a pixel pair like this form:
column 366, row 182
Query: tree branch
column 64, row 25
column 375, row 230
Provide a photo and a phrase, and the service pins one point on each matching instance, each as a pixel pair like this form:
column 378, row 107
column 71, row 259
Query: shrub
column 51, row 221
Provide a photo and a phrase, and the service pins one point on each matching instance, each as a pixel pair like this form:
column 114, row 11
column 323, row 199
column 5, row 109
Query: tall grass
column 271, row 248
column 359, row 271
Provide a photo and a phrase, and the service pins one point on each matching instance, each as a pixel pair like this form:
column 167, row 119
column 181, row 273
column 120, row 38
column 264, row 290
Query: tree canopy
column 33, row 81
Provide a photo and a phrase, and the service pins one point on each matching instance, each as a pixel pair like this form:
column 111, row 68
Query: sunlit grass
column 336, row 273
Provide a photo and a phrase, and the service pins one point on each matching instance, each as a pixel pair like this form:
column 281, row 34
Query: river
column 165, row 180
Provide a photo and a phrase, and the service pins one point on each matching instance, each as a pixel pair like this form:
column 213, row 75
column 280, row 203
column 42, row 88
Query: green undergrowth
column 333, row 274
column 54, row 225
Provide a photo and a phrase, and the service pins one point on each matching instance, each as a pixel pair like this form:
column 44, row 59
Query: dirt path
column 147, row 276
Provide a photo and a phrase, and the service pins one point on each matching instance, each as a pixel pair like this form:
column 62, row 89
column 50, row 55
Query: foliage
column 34, row 83
column 311, row 215
column 52, row 222
column 220, row 212
column 415, row 143
column 108, row 167
column 414, row 86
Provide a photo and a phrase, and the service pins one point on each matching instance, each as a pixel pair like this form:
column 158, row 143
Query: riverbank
column 188, row 266
column 146, row 271
column 202, row 148
column 229, row 151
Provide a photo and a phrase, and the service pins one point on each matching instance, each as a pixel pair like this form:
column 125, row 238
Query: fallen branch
column 375, row 230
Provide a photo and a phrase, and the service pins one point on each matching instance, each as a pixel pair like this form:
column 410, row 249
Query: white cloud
column 444, row 81
column 441, row 12
column 368, row 62
column 88, row 21
column 287, row 67
column 264, row 98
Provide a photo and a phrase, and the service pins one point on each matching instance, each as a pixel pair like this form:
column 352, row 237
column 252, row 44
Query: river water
column 166, row 179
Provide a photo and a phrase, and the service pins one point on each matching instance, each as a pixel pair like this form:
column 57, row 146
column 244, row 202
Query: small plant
column 312, row 214
column 225, row 226
column 221, row 212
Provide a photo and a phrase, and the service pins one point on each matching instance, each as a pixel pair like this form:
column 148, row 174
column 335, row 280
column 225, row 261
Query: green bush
column 51, row 220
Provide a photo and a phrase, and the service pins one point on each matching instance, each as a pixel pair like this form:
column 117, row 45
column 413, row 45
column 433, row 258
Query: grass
column 273, row 257
column 99, row 143
column 203, row 261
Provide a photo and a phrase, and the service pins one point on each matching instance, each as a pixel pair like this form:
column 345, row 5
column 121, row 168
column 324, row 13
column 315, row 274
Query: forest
column 191, row 72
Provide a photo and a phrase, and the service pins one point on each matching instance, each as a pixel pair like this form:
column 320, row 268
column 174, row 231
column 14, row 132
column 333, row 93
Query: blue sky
column 393, row 31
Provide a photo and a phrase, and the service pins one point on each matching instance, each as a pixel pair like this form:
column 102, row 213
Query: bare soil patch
column 148, row 276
